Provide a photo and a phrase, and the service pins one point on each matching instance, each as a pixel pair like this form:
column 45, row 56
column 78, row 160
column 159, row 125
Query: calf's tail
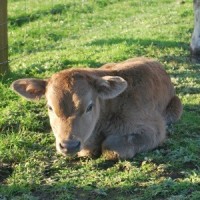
column 173, row 111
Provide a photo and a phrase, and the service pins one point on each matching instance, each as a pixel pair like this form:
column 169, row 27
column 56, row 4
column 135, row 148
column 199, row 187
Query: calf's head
column 74, row 103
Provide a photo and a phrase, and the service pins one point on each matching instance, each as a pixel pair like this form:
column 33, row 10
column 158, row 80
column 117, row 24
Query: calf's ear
column 109, row 87
column 31, row 89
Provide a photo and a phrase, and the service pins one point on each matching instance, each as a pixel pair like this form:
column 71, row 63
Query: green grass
column 47, row 36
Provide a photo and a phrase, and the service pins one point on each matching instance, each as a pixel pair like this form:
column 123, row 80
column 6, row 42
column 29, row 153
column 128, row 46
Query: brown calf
column 122, row 108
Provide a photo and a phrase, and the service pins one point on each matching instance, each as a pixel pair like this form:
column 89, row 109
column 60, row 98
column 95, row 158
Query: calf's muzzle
column 69, row 147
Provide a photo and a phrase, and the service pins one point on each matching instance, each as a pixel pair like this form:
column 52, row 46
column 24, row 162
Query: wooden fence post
column 3, row 38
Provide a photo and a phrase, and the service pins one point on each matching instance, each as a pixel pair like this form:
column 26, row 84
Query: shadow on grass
column 73, row 63
column 187, row 90
column 71, row 7
column 140, row 42
column 161, row 44
column 5, row 171
column 162, row 190
column 23, row 19
column 193, row 109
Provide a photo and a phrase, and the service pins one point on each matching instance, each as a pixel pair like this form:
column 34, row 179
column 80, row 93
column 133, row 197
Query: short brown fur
column 122, row 108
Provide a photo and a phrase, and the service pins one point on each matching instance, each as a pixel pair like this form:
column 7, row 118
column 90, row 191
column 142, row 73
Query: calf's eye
column 89, row 108
column 49, row 108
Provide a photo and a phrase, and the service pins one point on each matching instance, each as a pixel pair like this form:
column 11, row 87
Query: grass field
column 47, row 36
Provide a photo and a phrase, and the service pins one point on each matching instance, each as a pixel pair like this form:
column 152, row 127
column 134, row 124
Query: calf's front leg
column 126, row 146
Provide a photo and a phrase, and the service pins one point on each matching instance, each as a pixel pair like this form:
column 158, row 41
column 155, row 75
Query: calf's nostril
column 78, row 144
column 61, row 146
